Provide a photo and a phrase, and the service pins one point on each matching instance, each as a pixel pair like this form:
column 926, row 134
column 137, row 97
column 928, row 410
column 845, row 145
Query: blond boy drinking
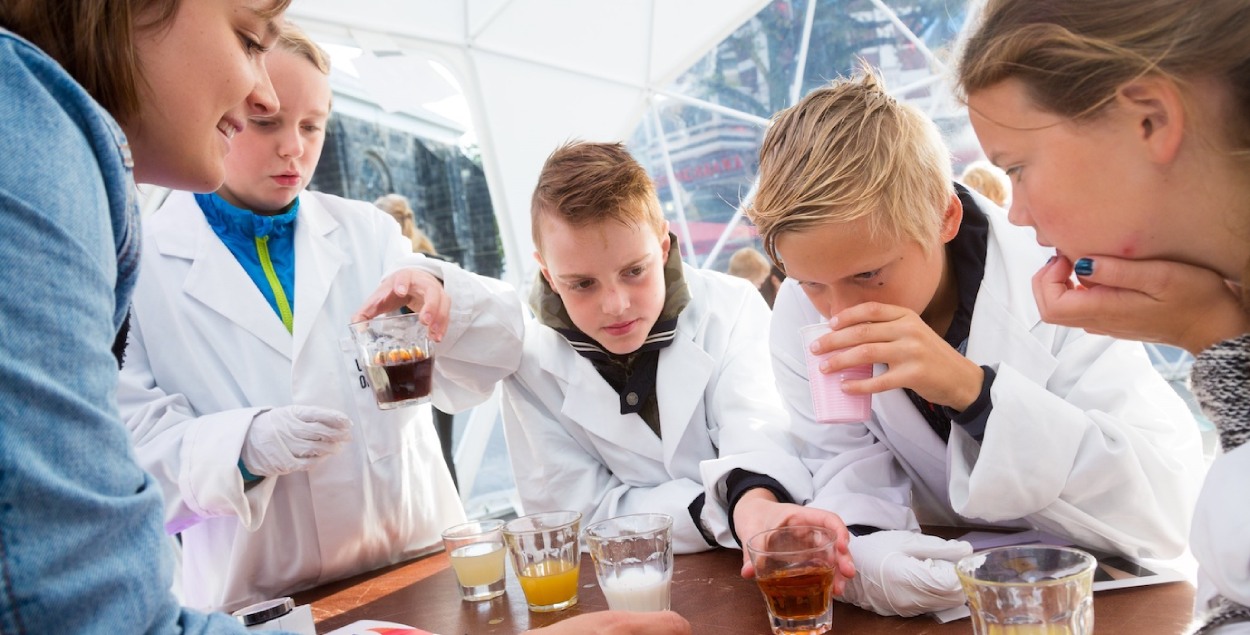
column 981, row 413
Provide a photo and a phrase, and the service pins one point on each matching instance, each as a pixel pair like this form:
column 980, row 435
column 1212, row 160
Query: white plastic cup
column 829, row 403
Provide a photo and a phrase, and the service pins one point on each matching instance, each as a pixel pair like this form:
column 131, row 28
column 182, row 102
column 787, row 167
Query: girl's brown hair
column 1073, row 55
column 94, row 40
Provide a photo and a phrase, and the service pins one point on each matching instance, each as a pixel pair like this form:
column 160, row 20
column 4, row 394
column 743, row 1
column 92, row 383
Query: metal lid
column 262, row 612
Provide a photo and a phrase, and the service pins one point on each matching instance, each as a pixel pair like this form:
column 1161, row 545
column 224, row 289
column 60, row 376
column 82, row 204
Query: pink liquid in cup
column 829, row 403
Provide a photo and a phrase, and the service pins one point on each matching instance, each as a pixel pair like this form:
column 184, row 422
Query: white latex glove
column 293, row 438
column 905, row 573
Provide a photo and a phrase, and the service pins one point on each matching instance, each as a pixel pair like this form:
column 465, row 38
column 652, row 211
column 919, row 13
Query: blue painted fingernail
column 1084, row 267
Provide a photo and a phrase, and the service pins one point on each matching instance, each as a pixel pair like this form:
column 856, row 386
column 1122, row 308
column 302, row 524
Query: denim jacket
column 82, row 546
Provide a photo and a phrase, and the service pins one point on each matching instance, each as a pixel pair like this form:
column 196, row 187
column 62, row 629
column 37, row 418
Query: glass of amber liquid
column 546, row 555
column 1029, row 590
column 794, row 570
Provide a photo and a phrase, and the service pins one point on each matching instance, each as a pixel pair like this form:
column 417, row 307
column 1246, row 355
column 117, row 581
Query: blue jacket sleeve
column 82, row 549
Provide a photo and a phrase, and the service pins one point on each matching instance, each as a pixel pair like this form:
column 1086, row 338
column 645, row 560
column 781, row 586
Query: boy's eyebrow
column 577, row 276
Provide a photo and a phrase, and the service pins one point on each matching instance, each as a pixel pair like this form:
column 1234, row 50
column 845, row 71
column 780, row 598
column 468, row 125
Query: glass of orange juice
column 546, row 554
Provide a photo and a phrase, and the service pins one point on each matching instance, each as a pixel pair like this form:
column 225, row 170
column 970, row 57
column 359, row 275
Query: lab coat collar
column 215, row 278
column 592, row 403
column 317, row 262
column 680, row 383
column 683, row 374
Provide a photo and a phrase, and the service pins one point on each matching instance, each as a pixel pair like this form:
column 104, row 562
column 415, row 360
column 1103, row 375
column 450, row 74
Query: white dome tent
column 535, row 73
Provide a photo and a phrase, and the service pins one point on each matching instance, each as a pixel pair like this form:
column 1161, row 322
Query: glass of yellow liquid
column 546, row 554
column 1029, row 590
column 477, row 553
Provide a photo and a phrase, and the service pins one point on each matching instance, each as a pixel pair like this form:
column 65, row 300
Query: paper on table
column 1113, row 572
column 375, row 627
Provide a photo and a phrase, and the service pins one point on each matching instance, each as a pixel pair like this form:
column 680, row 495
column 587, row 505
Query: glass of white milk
column 633, row 558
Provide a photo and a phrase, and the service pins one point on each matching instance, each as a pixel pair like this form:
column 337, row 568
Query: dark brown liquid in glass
column 406, row 380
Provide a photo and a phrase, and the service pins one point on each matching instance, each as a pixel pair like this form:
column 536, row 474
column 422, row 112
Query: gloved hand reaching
column 293, row 438
column 905, row 573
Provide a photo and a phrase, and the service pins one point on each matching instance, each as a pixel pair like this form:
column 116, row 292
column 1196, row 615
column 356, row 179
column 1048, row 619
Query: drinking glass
column 1029, row 590
column 477, row 554
column 794, row 570
column 633, row 558
column 396, row 355
column 546, row 554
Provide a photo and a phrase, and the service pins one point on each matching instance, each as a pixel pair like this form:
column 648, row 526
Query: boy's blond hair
column 750, row 264
column 584, row 183
column 849, row 151
column 400, row 209
column 990, row 181
column 294, row 39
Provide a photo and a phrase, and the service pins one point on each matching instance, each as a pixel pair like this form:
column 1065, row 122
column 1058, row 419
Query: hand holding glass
column 396, row 355
column 1029, row 590
column 794, row 570
column 546, row 553
column 633, row 558
column 477, row 553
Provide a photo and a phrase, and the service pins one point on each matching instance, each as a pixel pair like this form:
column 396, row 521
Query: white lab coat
column 207, row 353
column 1221, row 533
column 1085, row 439
column 572, row 449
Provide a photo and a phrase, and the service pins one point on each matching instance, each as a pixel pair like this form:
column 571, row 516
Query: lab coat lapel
column 909, row 428
column 215, row 277
column 591, row 402
column 1006, row 312
column 683, row 374
column 317, row 262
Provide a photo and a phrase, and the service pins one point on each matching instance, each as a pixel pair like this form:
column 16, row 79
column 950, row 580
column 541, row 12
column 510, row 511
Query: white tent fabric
column 535, row 73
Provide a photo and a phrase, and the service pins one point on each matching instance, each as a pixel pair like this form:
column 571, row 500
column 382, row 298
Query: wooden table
column 706, row 590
